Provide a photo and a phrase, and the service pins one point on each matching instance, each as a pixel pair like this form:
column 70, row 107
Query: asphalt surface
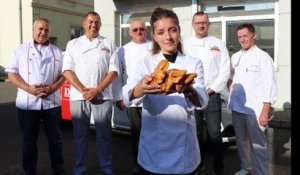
column 10, row 149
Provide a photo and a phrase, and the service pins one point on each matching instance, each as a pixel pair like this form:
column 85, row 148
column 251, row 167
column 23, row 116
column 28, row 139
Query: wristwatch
column 188, row 94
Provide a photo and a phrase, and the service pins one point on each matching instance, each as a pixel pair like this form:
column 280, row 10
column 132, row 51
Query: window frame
column 127, row 25
column 223, row 20
column 76, row 27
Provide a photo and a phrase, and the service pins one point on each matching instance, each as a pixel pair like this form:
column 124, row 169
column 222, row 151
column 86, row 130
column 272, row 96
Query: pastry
column 160, row 73
column 174, row 77
column 189, row 78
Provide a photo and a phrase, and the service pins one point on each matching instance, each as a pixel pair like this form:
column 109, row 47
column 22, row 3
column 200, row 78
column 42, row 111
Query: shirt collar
column 43, row 44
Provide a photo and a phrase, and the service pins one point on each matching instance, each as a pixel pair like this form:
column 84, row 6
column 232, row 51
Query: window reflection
column 76, row 32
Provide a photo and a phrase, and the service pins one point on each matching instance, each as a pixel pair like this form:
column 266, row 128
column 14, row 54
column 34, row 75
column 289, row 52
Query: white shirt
column 254, row 81
column 215, row 59
column 91, row 61
column 39, row 69
column 129, row 55
column 168, row 141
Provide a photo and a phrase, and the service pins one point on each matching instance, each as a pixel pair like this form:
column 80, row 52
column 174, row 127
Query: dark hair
column 248, row 26
column 93, row 13
column 200, row 13
column 160, row 13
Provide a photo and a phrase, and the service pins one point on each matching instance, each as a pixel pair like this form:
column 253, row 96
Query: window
column 229, row 15
column 264, row 35
column 125, row 38
column 215, row 29
column 76, row 32
column 238, row 9
column 125, row 24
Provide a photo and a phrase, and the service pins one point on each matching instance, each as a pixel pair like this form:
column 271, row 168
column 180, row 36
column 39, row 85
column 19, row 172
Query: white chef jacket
column 129, row 55
column 91, row 61
column 39, row 69
column 254, row 81
column 168, row 141
column 215, row 59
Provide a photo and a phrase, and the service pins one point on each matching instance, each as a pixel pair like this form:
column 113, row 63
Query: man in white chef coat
column 129, row 54
column 36, row 69
column 253, row 90
column 216, row 63
column 90, row 65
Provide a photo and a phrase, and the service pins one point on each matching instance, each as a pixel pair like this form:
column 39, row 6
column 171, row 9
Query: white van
column 120, row 121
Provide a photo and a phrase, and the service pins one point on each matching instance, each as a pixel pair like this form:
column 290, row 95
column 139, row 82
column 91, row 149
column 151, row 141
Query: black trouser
column 134, row 114
column 212, row 115
column 29, row 121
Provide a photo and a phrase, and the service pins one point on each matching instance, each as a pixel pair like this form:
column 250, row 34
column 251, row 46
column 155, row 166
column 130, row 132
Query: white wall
column 107, row 14
column 10, row 35
column 185, row 19
column 284, row 54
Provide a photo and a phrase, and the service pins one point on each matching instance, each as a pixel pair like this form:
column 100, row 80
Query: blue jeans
column 212, row 115
column 81, row 112
column 29, row 121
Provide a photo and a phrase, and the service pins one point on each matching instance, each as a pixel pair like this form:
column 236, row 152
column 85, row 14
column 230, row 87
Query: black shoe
column 200, row 169
column 62, row 172
column 218, row 172
column 137, row 170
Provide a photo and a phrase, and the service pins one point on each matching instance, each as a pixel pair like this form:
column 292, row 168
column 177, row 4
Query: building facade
column 17, row 18
column 272, row 20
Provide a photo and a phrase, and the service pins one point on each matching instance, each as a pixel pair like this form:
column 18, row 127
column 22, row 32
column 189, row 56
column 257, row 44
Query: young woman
column 168, row 140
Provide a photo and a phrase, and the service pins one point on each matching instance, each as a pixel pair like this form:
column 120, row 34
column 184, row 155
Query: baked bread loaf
column 163, row 65
column 160, row 73
column 189, row 78
column 168, row 79
column 174, row 77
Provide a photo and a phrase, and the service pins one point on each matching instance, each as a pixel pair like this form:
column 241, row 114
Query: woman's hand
column 145, row 87
column 149, row 88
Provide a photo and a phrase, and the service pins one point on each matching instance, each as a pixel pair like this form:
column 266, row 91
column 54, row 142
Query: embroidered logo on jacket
column 105, row 49
column 215, row 48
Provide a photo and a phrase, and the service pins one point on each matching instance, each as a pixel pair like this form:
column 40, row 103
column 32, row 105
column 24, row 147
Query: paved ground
column 7, row 92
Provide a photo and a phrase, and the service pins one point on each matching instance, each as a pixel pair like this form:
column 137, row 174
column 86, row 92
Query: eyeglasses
column 142, row 29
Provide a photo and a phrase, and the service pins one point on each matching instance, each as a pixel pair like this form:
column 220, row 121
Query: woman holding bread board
column 170, row 86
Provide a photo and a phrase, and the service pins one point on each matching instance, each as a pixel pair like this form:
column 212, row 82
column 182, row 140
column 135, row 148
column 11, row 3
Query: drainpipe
column 20, row 21
column 194, row 6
